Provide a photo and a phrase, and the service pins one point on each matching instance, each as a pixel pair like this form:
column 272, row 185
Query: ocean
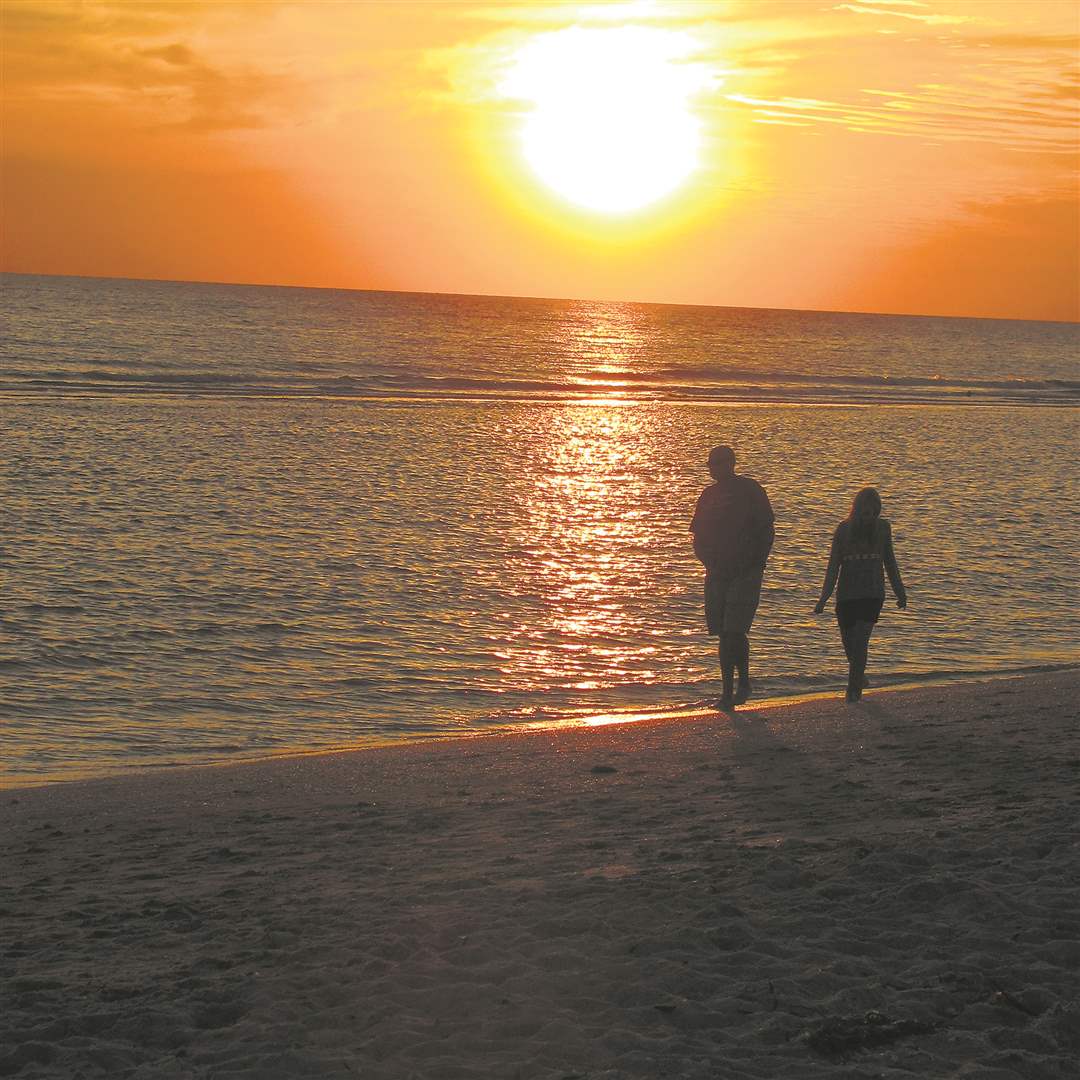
column 243, row 521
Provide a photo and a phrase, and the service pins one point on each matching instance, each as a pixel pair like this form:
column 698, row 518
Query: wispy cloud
column 933, row 111
column 949, row 78
column 868, row 7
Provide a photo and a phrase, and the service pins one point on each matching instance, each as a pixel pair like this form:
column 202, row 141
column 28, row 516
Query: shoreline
column 815, row 890
column 627, row 716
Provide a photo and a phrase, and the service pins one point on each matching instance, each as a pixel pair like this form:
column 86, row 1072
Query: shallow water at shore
column 198, row 580
column 207, row 577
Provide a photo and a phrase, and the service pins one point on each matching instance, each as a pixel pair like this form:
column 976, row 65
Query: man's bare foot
column 725, row 704
column 742, row 695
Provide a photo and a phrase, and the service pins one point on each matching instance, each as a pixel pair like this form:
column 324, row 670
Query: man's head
column 721, row 462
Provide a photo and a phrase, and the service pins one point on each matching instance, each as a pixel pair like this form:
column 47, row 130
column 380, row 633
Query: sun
column 610, row 125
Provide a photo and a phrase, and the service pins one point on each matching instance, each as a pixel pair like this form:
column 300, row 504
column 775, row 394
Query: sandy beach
column 813, row 890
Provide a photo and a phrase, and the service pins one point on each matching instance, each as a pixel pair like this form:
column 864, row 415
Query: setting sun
column 610, row 126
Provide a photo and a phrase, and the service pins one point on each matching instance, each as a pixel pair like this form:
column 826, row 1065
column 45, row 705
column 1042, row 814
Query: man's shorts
column 731, row 603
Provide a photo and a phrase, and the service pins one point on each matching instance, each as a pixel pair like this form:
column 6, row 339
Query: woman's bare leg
column 859, row 638
column 845, row 638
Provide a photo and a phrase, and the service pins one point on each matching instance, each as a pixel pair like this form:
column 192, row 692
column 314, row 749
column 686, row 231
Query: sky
column 880, row 155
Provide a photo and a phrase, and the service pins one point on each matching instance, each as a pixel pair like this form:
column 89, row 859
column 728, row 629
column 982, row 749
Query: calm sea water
column 247, row 520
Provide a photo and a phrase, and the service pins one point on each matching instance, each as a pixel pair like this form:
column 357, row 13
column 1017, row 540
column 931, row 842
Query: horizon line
column 552, row 299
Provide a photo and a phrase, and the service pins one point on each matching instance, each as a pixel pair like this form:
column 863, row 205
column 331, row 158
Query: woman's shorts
column 731, row 603
column 849, row 612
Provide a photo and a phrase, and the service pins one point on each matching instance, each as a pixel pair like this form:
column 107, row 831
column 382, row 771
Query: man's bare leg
column 727, row 671
column 741, row 645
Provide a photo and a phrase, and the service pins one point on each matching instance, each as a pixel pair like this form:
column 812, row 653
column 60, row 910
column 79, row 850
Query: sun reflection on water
column 586, row 552
column 603, row 344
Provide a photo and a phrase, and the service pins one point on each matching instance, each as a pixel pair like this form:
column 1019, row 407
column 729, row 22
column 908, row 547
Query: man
column 733, row 535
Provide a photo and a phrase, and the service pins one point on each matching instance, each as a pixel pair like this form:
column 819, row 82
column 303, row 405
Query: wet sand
column 817, row 890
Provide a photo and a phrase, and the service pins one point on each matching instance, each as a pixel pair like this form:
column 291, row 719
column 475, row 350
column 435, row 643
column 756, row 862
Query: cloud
column 1067, row 90
column 179, row 55
column 867, row 7
column 1066, row 43
column 135, row 59
column 934, row 112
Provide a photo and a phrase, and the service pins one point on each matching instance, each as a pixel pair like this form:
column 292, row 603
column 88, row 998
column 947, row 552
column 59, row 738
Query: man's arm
column 702, row 546
column 702, row 551
column 764, row 527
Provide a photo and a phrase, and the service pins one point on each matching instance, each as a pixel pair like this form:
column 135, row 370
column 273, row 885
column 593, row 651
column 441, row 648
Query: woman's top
column 861, row 564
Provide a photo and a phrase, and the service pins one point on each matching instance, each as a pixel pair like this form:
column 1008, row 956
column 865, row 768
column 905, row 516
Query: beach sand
column 816, row 890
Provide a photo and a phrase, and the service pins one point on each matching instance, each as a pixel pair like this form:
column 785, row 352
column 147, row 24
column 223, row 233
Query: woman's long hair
column 863, row 530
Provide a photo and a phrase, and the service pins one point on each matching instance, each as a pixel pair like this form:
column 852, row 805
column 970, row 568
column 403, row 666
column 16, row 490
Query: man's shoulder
column 753, row 491
column 738, row 486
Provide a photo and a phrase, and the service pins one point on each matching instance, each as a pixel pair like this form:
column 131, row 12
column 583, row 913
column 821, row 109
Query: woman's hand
column 819, row 607
column 901, row 601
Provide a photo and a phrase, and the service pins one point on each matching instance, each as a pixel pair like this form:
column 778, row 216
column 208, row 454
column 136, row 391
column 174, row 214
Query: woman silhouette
column 862, row 553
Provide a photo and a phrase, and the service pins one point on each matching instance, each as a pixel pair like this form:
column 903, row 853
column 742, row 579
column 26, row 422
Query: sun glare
column 611, row 126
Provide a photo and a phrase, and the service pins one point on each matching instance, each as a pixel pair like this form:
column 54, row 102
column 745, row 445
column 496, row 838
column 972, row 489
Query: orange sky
column 878, row 155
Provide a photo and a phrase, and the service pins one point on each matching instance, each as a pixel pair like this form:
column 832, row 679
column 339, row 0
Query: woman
column 862, row 553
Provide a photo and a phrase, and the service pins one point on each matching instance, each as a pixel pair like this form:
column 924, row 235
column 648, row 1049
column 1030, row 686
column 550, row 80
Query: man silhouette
column 733, row 535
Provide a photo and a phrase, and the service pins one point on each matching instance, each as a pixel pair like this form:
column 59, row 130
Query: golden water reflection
column 603, row 343
column 588, row 551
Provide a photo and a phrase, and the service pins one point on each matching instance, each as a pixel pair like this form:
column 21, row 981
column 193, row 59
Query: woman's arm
column 831, row 573
column 893, row 570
